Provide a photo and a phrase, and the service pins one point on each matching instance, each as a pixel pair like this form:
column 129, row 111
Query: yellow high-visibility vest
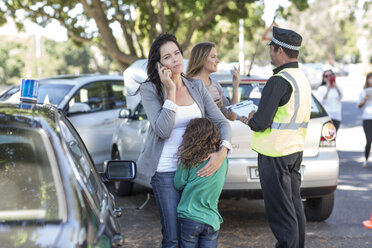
column 288, row 130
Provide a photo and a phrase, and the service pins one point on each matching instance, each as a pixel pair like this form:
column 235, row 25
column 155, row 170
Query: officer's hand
column 244, row 120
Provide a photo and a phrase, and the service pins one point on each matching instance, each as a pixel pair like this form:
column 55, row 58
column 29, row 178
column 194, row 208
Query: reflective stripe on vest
column 292, row 124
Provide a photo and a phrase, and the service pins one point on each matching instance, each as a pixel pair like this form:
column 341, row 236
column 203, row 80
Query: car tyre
column 120, row 188
column 319, row 209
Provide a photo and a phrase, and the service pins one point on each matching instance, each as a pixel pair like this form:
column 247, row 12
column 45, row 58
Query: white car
column 91, row 102
column 320, row 165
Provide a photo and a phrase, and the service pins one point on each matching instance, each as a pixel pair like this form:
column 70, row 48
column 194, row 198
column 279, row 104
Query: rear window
column 27, row 185
column 48, row 93
column 253, row 92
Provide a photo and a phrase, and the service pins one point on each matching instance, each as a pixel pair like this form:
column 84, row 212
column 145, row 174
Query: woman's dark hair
column 154, row 57
column 324, row 72
column 200, row 139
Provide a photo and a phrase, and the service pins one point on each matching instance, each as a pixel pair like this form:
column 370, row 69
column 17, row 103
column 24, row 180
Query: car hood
column 31, row 236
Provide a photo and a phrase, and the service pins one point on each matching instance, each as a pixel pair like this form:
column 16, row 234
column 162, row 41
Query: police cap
column 286, row 38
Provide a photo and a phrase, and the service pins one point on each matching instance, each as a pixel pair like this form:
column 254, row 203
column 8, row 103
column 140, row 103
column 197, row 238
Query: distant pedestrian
column 365, row 103
column 171, row 101
column 198, row 217
column 203, row 61
column 330, row 95
column 279, row 127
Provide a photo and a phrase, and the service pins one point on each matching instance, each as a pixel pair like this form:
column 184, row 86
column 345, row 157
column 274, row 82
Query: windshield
column 48, row 93
column 27, row 185
column 253, row 92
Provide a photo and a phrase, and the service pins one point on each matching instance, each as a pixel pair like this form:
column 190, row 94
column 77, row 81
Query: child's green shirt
column 199, row 200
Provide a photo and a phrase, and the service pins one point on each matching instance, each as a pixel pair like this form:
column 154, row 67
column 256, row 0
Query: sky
column 270, row 7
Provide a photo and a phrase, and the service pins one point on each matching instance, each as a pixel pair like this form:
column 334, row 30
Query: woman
column 330, row 95
column 203, row 61
column 171, row 101
column 365, row 103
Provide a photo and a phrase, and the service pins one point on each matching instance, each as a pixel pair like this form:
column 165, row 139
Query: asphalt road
column 245, row 223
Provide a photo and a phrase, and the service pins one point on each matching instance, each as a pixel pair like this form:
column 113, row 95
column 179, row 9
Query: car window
column 27, row 185
column 98, row 96
column 9, row 93
column 116, row 95
column 246, row 92
column 48, row 93
column 140, row 113
column 52, row 93
column 90, row 98
column 253, row 92
column 317, row 109
column 86, row 175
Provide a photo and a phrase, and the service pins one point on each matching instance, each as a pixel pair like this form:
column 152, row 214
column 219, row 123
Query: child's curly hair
column 200, row 139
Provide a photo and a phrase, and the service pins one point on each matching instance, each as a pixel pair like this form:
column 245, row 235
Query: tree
column 329, row 29
column 11, row 61
column 61, row 58
column 139, row 21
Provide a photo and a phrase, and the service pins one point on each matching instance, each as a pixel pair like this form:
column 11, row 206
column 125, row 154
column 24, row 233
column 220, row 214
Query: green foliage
column 142, row 20
column 62, row 58
column 11, row 62
column 328, row 32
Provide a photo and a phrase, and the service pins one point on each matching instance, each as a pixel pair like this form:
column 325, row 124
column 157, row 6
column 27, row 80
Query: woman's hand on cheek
column 214, row 163
column 165, row 75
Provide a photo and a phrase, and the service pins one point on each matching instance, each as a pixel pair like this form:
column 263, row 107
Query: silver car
column 320, row 164
column 91, row 102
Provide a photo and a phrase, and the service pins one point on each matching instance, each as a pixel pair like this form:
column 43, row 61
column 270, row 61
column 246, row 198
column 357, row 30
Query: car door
column 95, row 201
column 133, row 132
column 94, row 111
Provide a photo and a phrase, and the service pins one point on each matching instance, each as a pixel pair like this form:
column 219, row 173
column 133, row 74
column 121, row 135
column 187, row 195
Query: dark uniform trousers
column 280, row 181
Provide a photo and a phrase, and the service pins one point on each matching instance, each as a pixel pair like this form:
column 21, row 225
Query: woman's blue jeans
column 195, row 234
column 167, row 199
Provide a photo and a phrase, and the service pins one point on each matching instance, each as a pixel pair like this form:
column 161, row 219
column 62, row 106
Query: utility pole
column 38, row 51
column 241, row 47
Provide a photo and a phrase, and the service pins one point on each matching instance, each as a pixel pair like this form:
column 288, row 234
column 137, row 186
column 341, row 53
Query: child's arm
column 180, row 178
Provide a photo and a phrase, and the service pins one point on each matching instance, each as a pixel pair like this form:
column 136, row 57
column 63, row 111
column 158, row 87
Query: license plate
column 253, row 173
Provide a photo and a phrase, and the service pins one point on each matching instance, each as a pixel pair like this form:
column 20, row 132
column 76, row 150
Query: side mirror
column 117, row 170
column 125, row 113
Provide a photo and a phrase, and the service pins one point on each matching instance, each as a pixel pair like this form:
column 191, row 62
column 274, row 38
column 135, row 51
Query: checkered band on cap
column 280, row 43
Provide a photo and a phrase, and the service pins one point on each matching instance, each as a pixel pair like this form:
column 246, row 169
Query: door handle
column 106, row 121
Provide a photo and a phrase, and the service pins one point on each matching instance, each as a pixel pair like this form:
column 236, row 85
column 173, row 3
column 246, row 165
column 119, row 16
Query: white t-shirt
column 332, row 104
column 367, row 108
column 168, row 158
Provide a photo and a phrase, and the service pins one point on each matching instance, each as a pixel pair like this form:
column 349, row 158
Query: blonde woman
column 203, row 61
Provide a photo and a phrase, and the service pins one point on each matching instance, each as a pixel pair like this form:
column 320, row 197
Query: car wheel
column 319, row 209
column 121, row 188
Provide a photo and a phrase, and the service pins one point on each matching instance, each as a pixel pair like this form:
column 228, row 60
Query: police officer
column 279, row 127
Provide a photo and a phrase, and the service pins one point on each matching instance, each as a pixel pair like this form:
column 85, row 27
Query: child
column 198, row 217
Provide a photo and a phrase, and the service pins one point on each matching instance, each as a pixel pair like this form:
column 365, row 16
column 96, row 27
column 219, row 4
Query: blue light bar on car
column 29, row 90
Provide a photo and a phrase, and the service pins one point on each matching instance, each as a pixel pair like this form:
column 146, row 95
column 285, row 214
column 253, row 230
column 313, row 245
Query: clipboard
column 243, row 108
